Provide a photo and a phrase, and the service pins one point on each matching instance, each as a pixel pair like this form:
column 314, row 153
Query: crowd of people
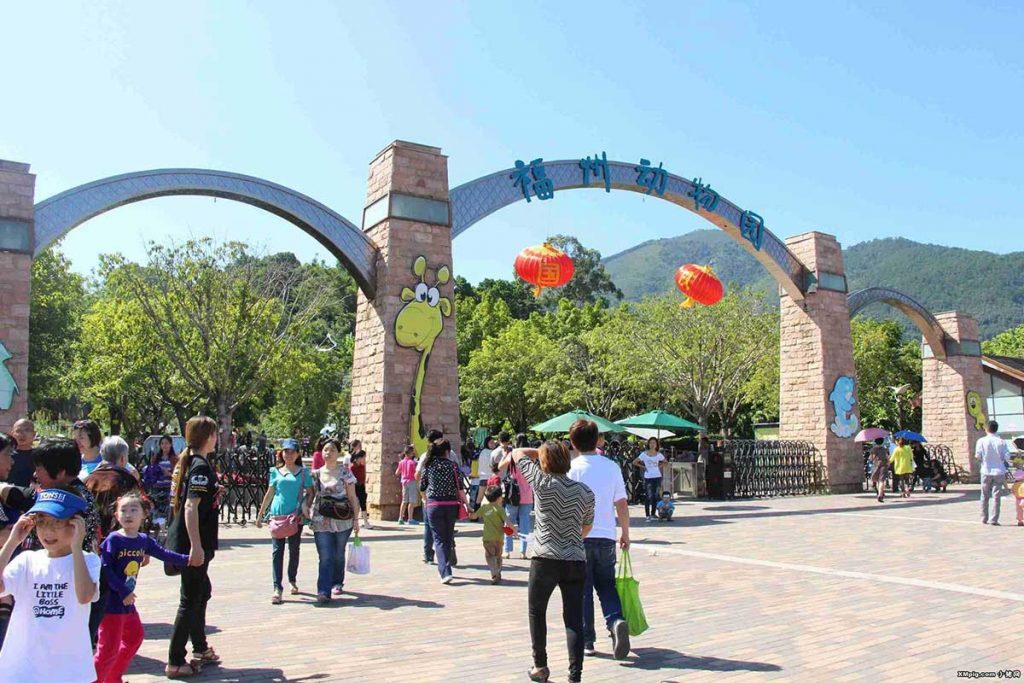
column 74, row 516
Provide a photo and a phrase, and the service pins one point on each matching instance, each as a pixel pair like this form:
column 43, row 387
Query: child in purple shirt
column 123, row 553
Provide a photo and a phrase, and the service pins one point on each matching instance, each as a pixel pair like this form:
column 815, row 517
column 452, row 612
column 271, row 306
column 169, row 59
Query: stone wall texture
column 383, row 373
column 944, row 394
column 816, row 348
column 17, row 198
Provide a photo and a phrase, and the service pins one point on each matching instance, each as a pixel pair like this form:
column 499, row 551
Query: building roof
column 1005, row 365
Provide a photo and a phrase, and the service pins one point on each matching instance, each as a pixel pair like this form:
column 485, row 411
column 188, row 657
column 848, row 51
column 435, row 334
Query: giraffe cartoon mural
column 417, row 326
column 8, row 386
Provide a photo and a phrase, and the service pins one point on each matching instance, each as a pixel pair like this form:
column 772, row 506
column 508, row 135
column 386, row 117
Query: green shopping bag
column 628, row 589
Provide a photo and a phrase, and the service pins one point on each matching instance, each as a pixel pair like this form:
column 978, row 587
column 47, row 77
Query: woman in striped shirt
column 564, row 511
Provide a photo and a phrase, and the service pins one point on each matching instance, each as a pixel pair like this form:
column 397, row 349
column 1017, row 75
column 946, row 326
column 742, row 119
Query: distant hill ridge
column 988, row 286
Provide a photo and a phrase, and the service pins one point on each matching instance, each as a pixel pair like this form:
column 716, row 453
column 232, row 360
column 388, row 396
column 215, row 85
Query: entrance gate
column 404, row 377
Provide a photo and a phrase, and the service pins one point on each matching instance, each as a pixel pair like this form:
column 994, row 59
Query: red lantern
column 699, row 284
column 544, row 266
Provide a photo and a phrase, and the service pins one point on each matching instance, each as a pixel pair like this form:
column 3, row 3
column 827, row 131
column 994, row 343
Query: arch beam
column 935, row 336
column 55, row 216
column 477, row 199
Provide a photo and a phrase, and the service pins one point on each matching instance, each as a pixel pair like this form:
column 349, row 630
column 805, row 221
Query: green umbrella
column 658, row 419
column 562, row 423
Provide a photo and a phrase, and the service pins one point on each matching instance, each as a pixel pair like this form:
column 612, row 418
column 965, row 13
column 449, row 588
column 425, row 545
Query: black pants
column 545, row 574
column 652, row 494
column 98, row 608
column 361, row 496
column 190, row 624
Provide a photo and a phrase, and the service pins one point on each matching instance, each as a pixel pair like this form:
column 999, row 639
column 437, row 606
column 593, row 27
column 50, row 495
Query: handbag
column 285, row 526
column 331, row 505
column 512, row 492
column 628, row 589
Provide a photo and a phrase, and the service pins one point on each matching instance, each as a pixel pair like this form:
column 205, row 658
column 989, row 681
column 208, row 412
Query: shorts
column 410, row 492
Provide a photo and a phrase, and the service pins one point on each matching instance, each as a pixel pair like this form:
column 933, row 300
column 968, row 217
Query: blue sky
column 864, row 122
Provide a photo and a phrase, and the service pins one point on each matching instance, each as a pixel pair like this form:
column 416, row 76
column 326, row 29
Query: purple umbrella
column 870, row 434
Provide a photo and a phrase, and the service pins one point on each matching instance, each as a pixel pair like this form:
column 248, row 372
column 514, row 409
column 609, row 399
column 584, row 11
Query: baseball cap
column 58, row 503
column 290, row 444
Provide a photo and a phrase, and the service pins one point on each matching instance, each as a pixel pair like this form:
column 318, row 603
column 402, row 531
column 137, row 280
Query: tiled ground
column 833, row 588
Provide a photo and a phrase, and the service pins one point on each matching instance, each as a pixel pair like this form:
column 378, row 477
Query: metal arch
column 479, row 198
column 57, row 215
column 933, row 333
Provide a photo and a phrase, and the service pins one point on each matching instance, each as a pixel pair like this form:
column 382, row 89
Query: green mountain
column 988, row 286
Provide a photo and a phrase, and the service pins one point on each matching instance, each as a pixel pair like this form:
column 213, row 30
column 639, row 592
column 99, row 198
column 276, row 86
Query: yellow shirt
column 903, row 460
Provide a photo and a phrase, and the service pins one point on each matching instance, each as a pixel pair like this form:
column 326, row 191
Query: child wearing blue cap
column 52, row 589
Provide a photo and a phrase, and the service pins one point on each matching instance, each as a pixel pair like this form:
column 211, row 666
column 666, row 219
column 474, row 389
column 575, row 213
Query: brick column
column 945, row 385
column 407, row 217
column 17, row 192
column 816, row 350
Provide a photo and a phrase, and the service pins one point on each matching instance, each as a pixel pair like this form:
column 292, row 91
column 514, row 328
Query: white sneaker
column 447, row 579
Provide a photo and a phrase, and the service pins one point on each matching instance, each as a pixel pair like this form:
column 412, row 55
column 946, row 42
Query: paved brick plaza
column 831, row 588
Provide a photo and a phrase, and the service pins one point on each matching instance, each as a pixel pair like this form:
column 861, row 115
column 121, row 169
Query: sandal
column 183, row 671
column 295, row 589
column 207, row 657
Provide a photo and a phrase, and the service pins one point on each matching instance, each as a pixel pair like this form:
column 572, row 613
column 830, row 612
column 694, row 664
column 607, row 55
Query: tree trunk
column 224, row 415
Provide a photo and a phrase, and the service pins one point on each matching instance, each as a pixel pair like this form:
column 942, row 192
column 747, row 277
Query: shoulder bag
column 512, row 492
column 331, row 505
column 285, row 526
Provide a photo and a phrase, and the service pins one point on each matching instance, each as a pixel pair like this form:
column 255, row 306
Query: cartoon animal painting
column 976, row 409
column 844, row 400
column 8, row 387
column 418, row 326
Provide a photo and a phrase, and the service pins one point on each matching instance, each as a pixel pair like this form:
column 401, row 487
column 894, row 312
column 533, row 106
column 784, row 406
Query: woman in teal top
column 290, row 491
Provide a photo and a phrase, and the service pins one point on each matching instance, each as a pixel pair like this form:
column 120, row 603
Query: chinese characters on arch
column 531, row 179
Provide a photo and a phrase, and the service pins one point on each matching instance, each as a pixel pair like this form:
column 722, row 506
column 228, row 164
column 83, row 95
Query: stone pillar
column 946, row 382
column 816, row 352
column 17, row 198
column 408, row 217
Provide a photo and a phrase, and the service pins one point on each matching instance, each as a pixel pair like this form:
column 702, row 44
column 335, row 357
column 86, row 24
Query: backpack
column 511, row 486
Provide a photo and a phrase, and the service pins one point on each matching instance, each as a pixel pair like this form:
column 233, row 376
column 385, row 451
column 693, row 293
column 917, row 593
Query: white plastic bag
column 358, row 561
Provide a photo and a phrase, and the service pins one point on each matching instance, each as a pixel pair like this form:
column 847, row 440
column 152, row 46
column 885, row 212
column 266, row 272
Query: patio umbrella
column 910, row 436
column 870, row 434
column 562, row 423
column 659, row 419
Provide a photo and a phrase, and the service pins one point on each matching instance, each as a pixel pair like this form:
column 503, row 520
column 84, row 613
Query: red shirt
column 494, row 480
column 359, row 471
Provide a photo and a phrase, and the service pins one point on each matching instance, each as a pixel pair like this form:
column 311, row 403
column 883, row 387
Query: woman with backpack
column 288, row 497
column 518, row 501
column 334, row 517
column 442, row 482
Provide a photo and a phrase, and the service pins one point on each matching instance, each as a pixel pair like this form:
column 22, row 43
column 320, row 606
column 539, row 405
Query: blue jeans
column 277, row 557
column 442, row 521
column 600, row 577
column 652, row 489
column 330, row 546
column 520, row 516
column 428, row 537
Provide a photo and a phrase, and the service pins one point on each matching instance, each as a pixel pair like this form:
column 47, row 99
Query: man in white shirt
column 604, row 478
column 483, row 469
column 993, row 454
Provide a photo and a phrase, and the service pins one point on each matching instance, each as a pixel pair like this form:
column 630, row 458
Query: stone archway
column 951, row 370
column 26, row 229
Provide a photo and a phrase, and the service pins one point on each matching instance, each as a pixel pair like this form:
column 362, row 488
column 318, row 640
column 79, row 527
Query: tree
column 225, row 322
column 705, row 355
column 478, row 320
column 58, row 302
column 590, row 282
column 1008, row 343
column 505, row 378
column 888, row 374
column 516, row 294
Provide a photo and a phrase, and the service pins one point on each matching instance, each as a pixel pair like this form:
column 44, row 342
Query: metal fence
column 763, row 469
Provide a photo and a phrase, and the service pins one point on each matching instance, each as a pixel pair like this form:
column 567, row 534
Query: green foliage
column 888, row 375
column 1009, row 343
column 517, row 295
column 590, row 282
column 55, row 322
